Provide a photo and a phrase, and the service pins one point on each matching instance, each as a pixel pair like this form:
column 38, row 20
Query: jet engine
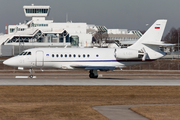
column 128, row 54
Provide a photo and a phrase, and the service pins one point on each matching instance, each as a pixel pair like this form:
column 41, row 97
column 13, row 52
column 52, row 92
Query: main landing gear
column 93, row 74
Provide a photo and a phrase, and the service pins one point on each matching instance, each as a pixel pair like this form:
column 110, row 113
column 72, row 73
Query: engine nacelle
column 126, row 54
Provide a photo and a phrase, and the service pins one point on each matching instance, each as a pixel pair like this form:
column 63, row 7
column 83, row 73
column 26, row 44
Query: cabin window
column 61, row 55
column 57, row 55
column 88, row 55
column 79, row 55
column 84, row 55
column 69, row 55
column 74, row 55
column 52, row 55
column 65, row 55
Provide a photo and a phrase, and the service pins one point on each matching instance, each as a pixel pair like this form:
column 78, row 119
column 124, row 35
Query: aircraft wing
column 93, row 67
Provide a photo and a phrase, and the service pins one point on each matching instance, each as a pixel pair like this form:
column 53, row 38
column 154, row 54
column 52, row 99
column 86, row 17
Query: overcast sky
column 121, row 14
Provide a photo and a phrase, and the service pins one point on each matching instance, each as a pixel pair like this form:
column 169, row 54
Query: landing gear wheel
column 31, row 76
column 93, row 74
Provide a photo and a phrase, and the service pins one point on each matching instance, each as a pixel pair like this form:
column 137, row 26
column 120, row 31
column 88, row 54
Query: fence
column 161, row 64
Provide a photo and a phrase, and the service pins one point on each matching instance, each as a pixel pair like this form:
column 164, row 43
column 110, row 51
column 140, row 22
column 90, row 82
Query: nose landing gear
column 31, row 71
column 93, row 74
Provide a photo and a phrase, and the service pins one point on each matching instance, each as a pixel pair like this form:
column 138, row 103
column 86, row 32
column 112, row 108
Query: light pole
column 178, row 43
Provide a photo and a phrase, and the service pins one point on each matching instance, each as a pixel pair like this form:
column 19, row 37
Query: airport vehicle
column 146, row 49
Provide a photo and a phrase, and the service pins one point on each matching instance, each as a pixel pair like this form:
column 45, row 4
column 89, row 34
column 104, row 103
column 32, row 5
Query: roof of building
column 123, row 36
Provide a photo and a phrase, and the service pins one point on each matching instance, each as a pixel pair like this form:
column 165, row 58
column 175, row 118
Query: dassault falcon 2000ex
column 146, row 49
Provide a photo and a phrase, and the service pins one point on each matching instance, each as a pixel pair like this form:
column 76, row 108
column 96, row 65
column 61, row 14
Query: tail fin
column 152, row 36
column 151, row 41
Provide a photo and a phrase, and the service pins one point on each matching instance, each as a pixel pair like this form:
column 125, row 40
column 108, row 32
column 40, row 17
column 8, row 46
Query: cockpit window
column 29, row 53
column 25, row 53
column 21, row 53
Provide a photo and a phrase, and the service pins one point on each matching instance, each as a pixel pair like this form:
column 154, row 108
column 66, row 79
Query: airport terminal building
column 124, row 36
column 39, row 32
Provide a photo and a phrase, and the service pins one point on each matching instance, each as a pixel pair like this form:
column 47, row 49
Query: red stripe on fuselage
column 103, row 61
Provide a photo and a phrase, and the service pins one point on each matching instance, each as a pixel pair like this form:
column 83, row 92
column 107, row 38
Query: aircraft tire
column 91, row 75
column 96, row 76
column 31, row 76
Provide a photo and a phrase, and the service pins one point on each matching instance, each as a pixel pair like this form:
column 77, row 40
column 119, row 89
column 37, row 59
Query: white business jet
column 146, row 49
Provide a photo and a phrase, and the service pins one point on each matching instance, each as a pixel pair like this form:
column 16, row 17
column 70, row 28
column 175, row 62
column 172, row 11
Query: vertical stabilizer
column 152, row 36
column 150, row 42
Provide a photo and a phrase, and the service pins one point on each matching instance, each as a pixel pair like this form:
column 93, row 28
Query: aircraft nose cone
column 6, row 62
column 9, row 62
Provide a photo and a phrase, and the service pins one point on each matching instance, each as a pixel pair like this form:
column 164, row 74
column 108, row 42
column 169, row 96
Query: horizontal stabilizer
column 159, row 44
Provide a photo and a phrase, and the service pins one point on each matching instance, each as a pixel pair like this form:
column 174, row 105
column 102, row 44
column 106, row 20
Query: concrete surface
column 122, row 112
column 119, row 112
column 126, row 81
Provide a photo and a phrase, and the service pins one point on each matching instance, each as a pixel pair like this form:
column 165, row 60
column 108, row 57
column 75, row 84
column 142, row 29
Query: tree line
column 172, row 37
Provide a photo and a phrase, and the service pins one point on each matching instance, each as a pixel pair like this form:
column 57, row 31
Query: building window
column 12, row 30
column 45, row 10
column 36, row 10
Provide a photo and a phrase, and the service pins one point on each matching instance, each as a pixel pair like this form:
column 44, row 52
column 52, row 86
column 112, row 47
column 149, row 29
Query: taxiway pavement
column 119, row 112
column 85, row 81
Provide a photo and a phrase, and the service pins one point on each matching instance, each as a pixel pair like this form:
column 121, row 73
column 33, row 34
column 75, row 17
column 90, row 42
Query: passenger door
column 39, row 58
